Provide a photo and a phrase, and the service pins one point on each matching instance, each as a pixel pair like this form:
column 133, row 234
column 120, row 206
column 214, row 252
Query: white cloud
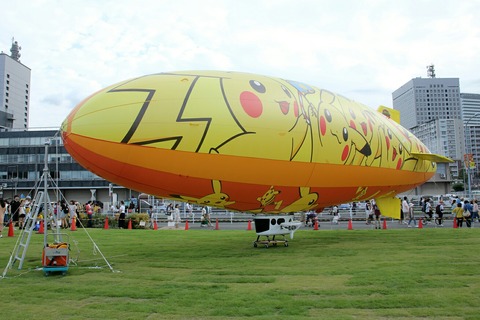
column 362, row 49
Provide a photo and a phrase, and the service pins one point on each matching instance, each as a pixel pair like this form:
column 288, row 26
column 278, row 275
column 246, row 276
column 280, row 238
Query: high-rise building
column 421, row 100
column 471, row 120
column 445, row 137
column 14, row 90
column 431, row 109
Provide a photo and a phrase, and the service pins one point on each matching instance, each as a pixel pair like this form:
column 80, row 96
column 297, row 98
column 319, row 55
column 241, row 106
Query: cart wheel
column 46, row 274
column 286, row 244
column 255, row 244
column 64, row 273
column 266, row 245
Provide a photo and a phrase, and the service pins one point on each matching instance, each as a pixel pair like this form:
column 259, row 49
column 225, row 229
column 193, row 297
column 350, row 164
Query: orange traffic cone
column 10, row 229
column 41, row 228
column 315, row 226
column 186, row 224
column 73, row 225
column 249, row 226
column 420, row 224
column 350, row 226
column 105, row 226
column 216, row 225
column 155, row 225
column 384, row 224
column 129, row 224
column 455, row 225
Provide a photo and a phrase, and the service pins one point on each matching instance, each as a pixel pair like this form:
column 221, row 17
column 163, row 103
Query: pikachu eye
column 345, row 134
column 328, row 115
column 257, row 86
column 286, row 91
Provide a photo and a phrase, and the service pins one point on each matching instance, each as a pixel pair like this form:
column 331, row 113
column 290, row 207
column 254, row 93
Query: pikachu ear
column 217, row 186
column 304, row 191
column 390, row 113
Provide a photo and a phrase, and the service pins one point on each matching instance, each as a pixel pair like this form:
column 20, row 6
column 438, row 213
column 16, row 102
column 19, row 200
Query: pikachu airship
column 245, row 142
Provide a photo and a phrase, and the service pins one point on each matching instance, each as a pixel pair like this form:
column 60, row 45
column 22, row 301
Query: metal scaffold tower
column 41, row 211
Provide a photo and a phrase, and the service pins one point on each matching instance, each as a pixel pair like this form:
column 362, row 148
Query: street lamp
column 467, row 155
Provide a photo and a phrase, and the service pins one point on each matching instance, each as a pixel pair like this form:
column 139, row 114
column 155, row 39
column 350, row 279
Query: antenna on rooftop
column 431, row 71
column 15, row 50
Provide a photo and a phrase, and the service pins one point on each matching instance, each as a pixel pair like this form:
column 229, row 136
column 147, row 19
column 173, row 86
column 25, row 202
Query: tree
column 458, row 187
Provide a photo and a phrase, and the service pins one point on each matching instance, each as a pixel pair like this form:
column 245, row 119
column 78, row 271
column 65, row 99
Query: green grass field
column 218, row 274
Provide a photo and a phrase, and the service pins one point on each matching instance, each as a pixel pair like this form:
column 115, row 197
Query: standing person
column 176, row 216
column 121, row 217
column 21, row 214
column 15, row 209
column 152, row 216
column 439, row 213
column 78, row 211
column 336, row 214
column 457, row 213
column 475, row 211
column 189, row 209
column 467, row 213
column 3, row 209
column 428, row 210
column 369, row 212
column 205, row 218
column 405, row 210
column 64, row 214
column 72, row 211
column 377, row 216
column 169, row 209
column 89, row 210
column 6, row 218
column 411, row 215
column 423, row 205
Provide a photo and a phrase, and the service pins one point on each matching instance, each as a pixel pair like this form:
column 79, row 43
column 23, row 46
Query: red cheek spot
column 345, row 153
column 352, row 125
column 387, row 140
column 295, row 109
column 399, row 164
column 323, row 126
column 364, row 128
column 251, row 104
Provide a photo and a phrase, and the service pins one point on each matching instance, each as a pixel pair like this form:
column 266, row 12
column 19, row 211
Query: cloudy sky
column 361, row 49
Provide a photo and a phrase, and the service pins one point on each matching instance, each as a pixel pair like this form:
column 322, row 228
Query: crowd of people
column 20, row 208
column 463, row 211
column 16, row 211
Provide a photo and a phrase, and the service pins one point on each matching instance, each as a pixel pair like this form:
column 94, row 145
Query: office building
column 471, row 119
column 445, row 137
column 14, row 90
column 421, row 100
column 22, row 168
column 431, row 109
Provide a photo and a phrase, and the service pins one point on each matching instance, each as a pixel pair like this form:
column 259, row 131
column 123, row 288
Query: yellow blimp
column 245, row 142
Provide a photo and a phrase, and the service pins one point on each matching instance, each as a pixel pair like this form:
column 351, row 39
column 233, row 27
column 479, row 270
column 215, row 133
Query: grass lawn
column 218, row 274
